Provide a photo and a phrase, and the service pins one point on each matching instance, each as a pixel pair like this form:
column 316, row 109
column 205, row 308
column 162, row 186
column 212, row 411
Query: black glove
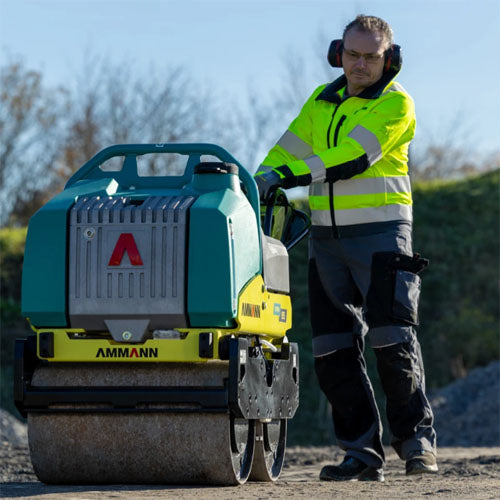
column 267, row 181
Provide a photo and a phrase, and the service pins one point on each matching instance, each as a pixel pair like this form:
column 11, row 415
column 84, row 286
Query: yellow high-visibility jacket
column 353, row 153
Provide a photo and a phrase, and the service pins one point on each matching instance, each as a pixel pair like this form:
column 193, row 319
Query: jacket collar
column 331, row 92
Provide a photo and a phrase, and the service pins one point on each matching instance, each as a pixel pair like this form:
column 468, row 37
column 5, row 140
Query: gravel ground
column 467, row 423
column 469, row 473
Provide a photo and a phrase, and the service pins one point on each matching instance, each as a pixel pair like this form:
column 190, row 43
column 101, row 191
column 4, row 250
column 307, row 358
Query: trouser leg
column 343, row 379
column 340, row 367
column 399, row 358
column 409, row 414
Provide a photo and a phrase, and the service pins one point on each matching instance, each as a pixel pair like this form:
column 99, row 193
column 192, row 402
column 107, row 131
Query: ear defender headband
column 393, row 58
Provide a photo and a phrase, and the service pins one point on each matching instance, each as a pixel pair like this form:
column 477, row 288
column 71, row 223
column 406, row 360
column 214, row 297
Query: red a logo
column 125, row 243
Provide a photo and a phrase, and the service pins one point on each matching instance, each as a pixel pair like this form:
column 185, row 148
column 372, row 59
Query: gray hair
column 370, row 24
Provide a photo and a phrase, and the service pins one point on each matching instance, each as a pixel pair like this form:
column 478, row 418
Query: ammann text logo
column 252, row 310
column 127, row 352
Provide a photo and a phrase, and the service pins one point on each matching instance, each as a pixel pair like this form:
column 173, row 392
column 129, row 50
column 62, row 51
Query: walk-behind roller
column 160, row 308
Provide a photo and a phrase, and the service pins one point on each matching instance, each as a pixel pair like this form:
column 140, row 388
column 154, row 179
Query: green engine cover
column 224, row 250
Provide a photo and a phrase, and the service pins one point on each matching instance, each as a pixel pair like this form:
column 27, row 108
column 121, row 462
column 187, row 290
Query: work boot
column 351, row 469
column 421, row 462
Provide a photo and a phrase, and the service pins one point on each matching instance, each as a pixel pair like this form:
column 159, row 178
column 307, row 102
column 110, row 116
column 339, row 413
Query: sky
column 451, row 48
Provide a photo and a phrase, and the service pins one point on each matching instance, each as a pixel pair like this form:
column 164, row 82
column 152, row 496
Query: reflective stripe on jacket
column 354, row 149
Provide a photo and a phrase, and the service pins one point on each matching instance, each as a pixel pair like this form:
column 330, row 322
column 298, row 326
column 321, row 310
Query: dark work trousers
column 339, row 281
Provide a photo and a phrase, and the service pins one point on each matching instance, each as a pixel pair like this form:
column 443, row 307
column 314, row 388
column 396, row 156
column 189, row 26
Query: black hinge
column 46, row 344
column 206, row 345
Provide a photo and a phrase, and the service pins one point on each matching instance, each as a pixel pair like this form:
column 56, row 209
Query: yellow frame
column 260, row 312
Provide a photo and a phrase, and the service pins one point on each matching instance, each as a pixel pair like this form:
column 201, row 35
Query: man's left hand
column 267, row 181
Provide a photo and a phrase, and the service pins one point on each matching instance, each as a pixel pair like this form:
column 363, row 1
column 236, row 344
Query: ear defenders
column 393, row 58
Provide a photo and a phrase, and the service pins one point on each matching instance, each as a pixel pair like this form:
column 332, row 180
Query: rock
column 12, row 430
column 467, row 412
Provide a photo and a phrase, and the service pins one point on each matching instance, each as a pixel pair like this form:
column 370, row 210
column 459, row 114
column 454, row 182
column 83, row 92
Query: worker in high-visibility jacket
column 349, row 144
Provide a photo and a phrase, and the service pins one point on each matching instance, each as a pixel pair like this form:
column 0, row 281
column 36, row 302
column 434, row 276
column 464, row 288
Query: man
column 350, row 144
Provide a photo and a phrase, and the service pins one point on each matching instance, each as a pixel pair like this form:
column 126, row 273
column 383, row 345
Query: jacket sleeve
column 296, row 142
column 374, row 136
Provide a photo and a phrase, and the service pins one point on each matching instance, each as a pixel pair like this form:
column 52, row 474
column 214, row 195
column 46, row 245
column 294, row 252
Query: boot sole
column 423, row 469
column 352, row 480
column 359, row 477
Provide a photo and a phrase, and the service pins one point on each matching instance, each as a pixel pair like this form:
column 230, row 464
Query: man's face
column 362, row 59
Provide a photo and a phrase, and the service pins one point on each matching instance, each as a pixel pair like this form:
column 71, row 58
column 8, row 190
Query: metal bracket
column 263, row 388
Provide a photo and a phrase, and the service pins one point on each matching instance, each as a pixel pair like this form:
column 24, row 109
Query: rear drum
column 179, row 446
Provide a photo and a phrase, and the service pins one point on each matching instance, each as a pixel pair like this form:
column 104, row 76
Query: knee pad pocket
column 394, row 291
column 406, row 297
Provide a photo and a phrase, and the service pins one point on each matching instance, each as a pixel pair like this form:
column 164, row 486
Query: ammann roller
column 160, row 308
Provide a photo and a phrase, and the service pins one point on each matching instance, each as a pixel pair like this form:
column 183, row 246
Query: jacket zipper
column 330, row 126
column 337, row 128
column 330, row 184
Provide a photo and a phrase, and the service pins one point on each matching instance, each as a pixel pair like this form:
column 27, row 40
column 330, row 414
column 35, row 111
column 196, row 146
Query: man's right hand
column 267, row 181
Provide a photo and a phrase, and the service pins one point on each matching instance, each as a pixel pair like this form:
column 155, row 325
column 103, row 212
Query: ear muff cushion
column 393, row 59
column 335, row 53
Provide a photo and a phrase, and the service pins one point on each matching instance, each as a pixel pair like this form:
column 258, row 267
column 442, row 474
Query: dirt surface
column 472, row 473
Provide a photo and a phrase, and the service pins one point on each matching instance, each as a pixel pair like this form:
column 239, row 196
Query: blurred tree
column 47, row 134
column 450, row 153
column 113, row 104
column 267, row 116
column 31, row 132
column 441, row 160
